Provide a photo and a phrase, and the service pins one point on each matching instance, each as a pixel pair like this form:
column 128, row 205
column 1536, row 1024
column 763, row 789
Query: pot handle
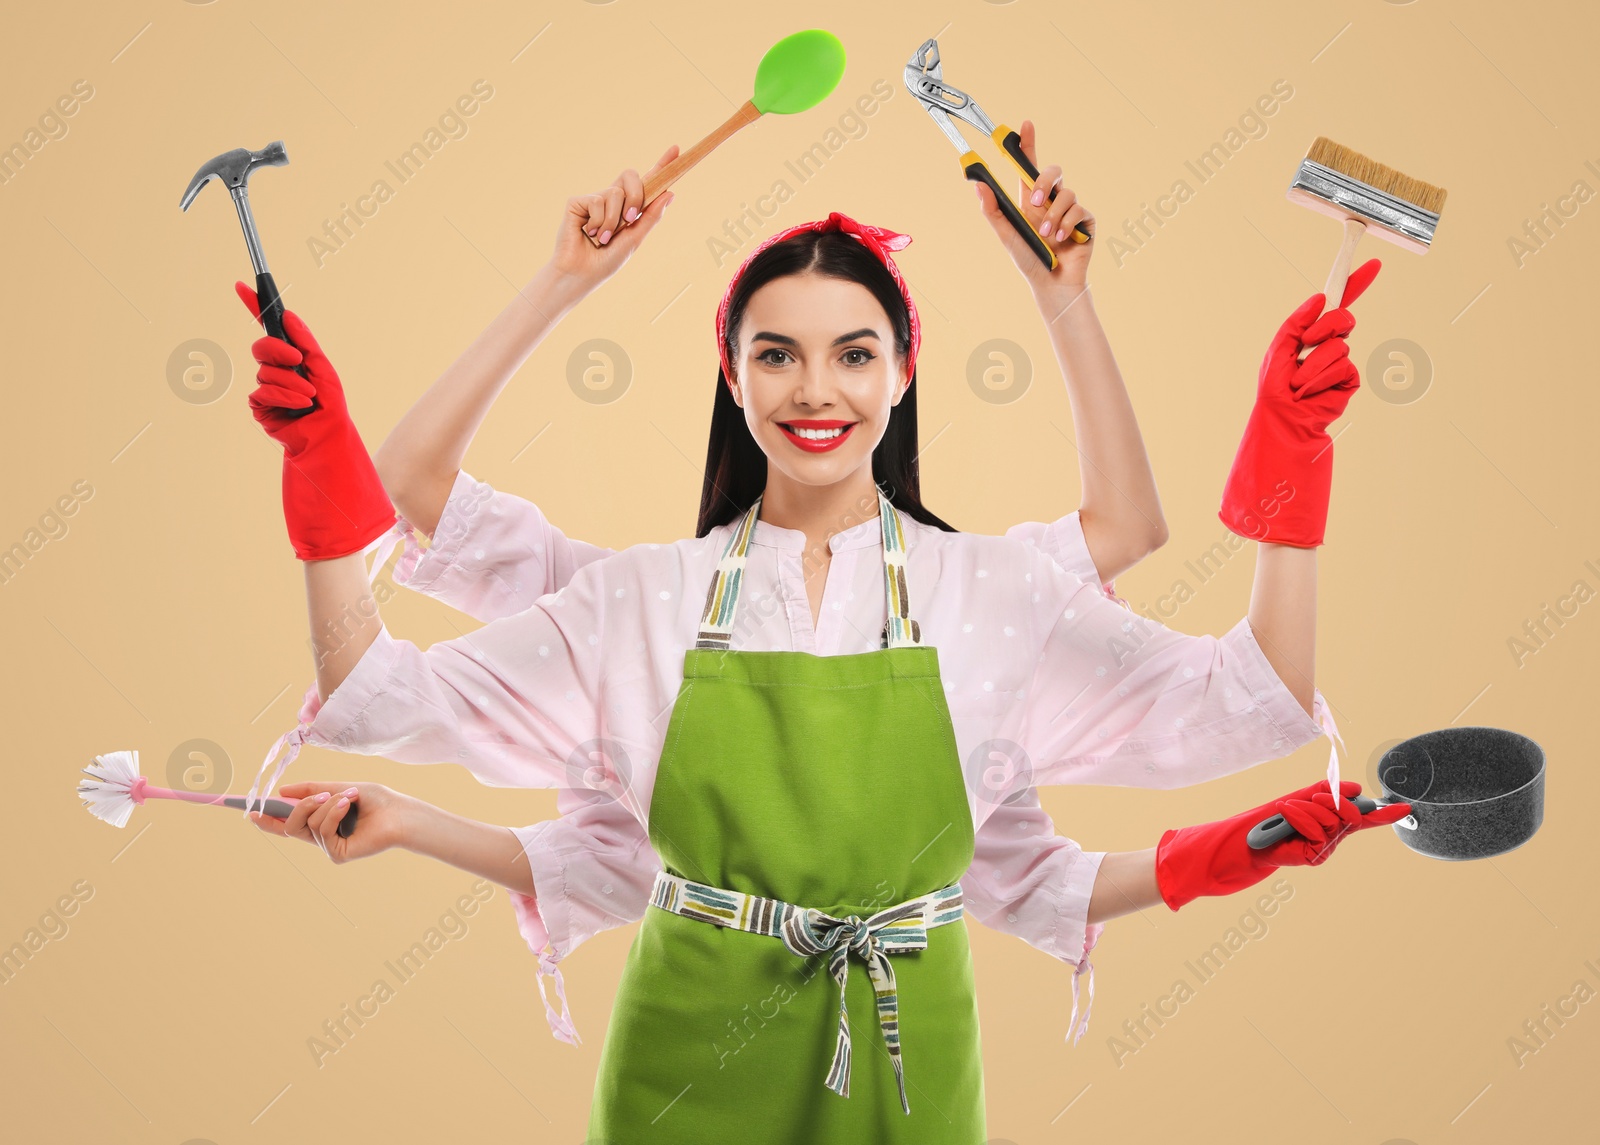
column 1275, row 828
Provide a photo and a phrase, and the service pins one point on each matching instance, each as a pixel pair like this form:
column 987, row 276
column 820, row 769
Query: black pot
column 1474, row 791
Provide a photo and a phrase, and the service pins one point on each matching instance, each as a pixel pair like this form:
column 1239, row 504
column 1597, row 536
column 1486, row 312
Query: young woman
column 493, row 554
column 792, row 795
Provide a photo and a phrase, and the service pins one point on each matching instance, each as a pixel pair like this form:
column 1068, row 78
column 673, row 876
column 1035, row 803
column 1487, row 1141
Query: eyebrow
column 785, row 340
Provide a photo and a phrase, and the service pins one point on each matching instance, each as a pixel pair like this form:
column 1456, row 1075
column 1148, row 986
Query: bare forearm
column 344, row 617
column 485, row 849
column 419, row 459
column 1126, row 883
column 1283, row 615
column 1120, row 509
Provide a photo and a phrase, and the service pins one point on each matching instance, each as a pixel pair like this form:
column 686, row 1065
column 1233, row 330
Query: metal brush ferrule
column 1403, row 219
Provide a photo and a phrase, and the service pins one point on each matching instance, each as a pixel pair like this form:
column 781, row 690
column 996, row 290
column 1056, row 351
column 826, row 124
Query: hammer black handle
column 272, row 318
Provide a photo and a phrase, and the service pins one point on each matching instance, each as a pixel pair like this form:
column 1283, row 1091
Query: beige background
column 178, row 1002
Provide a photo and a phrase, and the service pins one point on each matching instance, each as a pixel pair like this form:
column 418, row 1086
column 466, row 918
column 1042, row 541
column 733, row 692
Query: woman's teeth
column 816, row 434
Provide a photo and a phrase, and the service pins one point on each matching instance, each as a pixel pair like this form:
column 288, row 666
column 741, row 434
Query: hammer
column 233, row 168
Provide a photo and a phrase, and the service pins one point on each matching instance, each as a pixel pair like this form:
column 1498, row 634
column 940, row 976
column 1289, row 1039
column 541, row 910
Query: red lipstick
column 817, row 444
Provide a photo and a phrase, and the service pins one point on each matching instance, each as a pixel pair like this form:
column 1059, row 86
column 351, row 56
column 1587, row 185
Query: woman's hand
column 617, row 217
column 321, row 807
column 1281, row 480
column 333, row 501
column 1217, row 859
column 1053, row 221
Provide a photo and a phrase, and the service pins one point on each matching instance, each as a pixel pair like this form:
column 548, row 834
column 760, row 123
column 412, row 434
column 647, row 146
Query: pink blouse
column 494, row 554
column 1048, row 680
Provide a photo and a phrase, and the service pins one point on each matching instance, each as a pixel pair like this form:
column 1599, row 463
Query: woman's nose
column 816, row 387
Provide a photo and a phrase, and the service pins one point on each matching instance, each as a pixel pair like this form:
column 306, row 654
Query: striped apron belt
column 806, row 931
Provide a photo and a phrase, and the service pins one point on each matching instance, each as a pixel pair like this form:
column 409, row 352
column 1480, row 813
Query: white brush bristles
column 106, row 795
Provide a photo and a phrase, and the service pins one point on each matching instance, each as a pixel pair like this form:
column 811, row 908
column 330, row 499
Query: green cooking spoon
column 796, row 74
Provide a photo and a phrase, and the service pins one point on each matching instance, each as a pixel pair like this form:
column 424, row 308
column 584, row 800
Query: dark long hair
column 736, row 469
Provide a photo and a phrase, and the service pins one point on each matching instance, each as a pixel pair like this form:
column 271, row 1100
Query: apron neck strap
column 722, row 598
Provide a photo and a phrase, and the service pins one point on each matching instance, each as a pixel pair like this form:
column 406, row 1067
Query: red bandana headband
column 879, row 240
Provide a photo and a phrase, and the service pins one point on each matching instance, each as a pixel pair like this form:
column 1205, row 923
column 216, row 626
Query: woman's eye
column 865, row 356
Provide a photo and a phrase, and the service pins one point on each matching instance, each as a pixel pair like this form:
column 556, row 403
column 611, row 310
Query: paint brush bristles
column 1346, row 185
column 1357, row 166
column 1364, row 195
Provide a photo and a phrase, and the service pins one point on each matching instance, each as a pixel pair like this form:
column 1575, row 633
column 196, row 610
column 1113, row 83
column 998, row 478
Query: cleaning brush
column 116, row 788
column 1365, row 195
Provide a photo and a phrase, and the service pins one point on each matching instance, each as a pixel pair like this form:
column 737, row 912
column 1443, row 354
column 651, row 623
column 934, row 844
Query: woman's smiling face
column 818, row 374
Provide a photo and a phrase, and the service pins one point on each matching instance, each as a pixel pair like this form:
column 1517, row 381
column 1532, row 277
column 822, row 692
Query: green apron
column 829, row 784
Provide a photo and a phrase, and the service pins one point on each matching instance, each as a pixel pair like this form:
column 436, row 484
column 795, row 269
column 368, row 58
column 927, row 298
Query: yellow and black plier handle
column 924, row 79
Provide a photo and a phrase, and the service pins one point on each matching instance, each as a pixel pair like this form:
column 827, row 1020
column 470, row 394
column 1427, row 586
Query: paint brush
column 1365, row 196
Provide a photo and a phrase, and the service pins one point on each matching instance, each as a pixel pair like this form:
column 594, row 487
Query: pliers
column 924, row 80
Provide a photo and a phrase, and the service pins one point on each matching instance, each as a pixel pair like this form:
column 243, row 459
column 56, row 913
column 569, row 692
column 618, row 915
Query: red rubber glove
column 333, row 502
column 1214, row 859
column 1277, row 490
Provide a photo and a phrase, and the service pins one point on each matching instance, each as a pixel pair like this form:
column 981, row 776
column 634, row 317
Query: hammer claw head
column 233, row 168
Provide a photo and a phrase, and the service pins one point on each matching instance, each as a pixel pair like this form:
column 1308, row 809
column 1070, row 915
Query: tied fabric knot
column 410, row 556
column 1091, row 936
column 890, row 931
column 1331, row 730
column 1084, row 965
column 294, row 739
column 561, row 1024
column 879, row 240
column 807, row 931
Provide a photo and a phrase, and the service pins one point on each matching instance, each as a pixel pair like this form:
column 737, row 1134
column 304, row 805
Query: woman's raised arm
column 1120, row 508
column 1278, row 489
column 419, row 459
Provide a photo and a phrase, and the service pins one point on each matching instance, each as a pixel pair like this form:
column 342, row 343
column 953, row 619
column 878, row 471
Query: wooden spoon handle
column 747, row 113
